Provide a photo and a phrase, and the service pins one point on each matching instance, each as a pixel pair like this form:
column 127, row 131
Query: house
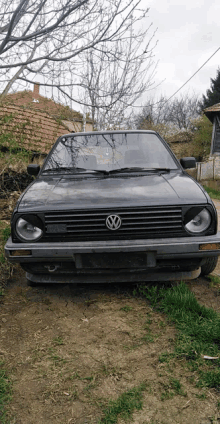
column 34, row 122
column 209, row 171
column 213, row 114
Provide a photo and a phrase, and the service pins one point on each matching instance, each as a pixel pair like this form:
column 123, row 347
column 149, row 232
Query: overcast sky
column 188, row 34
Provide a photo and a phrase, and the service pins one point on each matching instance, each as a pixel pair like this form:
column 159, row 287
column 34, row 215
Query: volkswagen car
column 113, row 206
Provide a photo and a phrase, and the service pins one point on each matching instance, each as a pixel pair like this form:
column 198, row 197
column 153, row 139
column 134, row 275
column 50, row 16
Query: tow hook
column 52, row 268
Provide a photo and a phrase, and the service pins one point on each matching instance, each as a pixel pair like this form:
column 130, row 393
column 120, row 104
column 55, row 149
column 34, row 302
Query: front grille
column 148, row 222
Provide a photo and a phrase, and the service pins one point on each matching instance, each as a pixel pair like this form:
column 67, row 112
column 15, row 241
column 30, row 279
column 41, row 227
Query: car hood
column 57, row 193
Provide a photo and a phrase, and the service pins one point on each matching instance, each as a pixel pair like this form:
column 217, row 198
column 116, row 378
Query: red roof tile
column 30, row 129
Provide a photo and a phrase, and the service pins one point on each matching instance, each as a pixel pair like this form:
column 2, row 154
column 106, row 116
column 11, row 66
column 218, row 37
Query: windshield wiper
column 105, row 172
column 138, row 169
column 72, row 169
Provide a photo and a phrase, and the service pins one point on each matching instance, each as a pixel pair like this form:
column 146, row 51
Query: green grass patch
column 126, row 308
column 124, row 406
column 209, row 378
column 214, row 281
column 198, row 329
column 5, row 393
column 215, row 194
column 5, row 267
column 6, row 233
column 58, row 341
column 57, row 359
column 173, row 388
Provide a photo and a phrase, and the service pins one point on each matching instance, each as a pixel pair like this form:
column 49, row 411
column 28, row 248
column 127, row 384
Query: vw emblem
column 113, row 222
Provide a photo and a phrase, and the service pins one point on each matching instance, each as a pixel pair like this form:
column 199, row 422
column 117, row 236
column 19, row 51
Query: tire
column 209, row 265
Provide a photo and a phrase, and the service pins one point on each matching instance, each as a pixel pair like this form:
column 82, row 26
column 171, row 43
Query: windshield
column 108, row 152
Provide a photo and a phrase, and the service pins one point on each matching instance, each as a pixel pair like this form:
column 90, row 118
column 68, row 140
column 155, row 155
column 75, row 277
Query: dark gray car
column 113, row 206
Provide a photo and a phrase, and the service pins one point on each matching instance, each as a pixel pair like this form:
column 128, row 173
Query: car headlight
column 200, row 222
column 28, row 231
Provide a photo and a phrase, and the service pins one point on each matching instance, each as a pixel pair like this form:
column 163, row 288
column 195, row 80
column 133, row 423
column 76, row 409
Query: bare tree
column 115, row 77
column 49, row 38
column 173, row 115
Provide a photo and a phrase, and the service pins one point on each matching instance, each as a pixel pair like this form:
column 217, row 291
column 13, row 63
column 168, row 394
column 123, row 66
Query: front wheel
column 209, row 265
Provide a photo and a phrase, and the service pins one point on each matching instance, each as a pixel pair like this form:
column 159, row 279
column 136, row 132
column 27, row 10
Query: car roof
column 109, row 132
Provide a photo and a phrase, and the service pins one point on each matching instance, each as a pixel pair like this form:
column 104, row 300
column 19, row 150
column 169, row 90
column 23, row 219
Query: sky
column 188, row 33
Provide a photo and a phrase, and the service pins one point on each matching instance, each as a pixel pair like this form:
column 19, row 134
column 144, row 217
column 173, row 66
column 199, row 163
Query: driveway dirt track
column 70, row 349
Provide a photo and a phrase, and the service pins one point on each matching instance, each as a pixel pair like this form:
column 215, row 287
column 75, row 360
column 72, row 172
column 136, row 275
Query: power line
column 193, row 75
column 177, row 91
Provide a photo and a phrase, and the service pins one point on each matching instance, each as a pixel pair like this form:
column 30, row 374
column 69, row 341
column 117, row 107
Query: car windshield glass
column 108, row 152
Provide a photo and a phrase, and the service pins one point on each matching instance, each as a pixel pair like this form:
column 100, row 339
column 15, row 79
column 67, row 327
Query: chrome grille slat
column 140, row 225
column 59, row 215
column 136, row 223
column 57, row 221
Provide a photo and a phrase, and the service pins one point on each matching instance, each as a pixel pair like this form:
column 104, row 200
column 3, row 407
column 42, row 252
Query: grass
column 215, row 194
column 214, row 281
column 5, row 393
column 124, row 406
column 4, row 234
column 173, row 388
column 198, row 330
column 58, row 341
column 5, row 267
column 126, row 308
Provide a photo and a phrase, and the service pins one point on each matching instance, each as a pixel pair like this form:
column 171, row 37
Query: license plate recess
column 115, row 260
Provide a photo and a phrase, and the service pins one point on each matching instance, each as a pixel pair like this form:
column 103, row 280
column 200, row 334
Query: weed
column 55, row 357
column 198, row 328
column 147, row 338
column 109, row 370
column 215, row 194
column 124, row 406
column 209, row 379
column 58, row 340
column 5, row 267
column 172, row 388
column 165, row 357
column 214, row 281
column 89, row 387
column 126, row 308
column 2, row 258
column 6, row 233
column 74, row 376
column 5, row 393
column 201, row 396
column 177, row 387
column 162, row 324
column 150, row 292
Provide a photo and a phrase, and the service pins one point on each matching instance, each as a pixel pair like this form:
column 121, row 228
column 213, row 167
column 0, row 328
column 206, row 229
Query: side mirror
column 33, row 169
column 188, row 163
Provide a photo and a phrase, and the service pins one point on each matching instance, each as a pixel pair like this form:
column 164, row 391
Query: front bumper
column 172, row 250
column 185, row 247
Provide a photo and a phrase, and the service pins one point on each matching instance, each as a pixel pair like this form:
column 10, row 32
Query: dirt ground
column 70, row 349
